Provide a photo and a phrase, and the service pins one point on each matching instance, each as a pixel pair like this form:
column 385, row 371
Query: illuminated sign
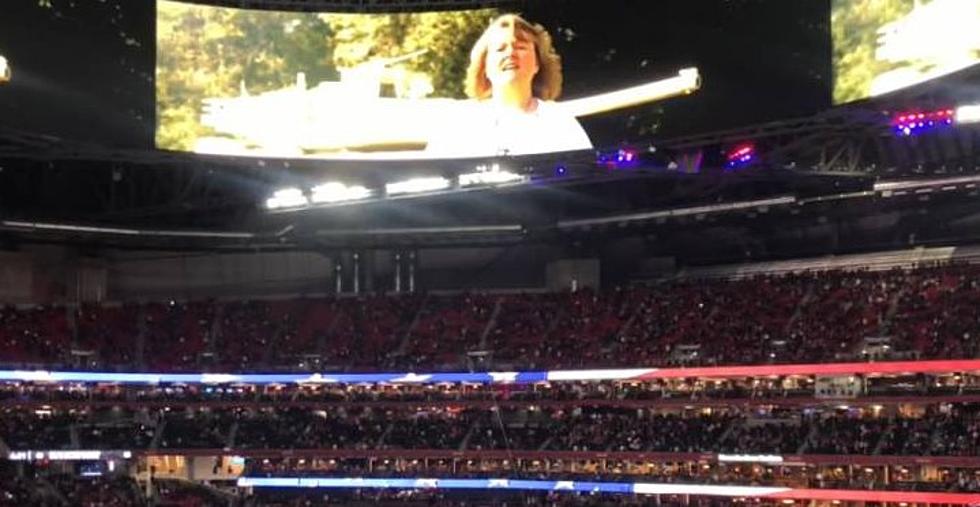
column 68, row 455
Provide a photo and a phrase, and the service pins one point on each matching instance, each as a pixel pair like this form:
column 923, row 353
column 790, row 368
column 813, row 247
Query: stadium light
column 968, row 114
column 5, row 72
column 416, row 185
column 917, row 122
column 488, row 175
column 67, row 455
column 338, row 192
column 287, row 198
column 622, row 158
column 740, row 156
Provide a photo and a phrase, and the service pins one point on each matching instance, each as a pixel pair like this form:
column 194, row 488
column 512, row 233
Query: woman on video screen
column 514, row 76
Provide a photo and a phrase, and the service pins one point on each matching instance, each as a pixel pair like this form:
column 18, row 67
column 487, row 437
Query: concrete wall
column 196, row 276
column 573, row 274
column 62, row 275
column 37, row 274
column 484, row 268
column 54, row 274
column 16, row 278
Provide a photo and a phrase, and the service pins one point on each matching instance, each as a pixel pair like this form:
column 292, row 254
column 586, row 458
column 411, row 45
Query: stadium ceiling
column 858, row 137
column 355, row 5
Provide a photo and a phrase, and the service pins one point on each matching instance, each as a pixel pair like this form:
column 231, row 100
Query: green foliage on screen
column 447, row 37
column 854, row 27
column 205, row 51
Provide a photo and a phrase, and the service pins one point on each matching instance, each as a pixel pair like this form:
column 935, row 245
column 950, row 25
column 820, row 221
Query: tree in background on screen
column 205, row 51
column 217, row 52
column 854, row 26
column 446, row 36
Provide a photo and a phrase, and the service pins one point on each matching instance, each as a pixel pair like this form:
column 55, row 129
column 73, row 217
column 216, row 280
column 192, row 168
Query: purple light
column 913, row 123
column 624, row 155
column 740, row 156
column 622, row 158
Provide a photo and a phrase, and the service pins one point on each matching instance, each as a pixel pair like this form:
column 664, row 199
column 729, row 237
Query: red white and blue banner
column 627, row 488
column 500, row 377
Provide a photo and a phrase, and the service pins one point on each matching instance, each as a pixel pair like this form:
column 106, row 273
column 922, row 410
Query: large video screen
column 472, row 83
column 477, row 83
column 192, row 77
column 885, row 45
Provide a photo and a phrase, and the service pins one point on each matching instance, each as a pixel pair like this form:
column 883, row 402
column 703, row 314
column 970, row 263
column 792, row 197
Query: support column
column 338, row 277
column 398, row 273
column 370, row 270
column 356, row 257
column 412, row 260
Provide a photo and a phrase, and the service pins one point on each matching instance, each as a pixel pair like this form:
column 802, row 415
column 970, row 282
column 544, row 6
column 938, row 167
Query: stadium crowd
column 807, row 317
column 939, row 429
column 799, row 389
column 37, row 487
column 796, row 318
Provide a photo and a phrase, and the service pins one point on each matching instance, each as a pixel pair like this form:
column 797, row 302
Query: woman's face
column 511, row 57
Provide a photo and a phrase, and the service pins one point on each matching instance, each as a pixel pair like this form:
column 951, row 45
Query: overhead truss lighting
column 417, row 185
column 287, row 198
column 918, row 122
column 334, row 191
column 968, row 113
column 489, row 175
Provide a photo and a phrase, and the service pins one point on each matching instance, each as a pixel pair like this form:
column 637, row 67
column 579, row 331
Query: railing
column 568, row 456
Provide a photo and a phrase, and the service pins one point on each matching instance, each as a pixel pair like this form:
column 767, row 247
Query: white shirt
column 485, row 129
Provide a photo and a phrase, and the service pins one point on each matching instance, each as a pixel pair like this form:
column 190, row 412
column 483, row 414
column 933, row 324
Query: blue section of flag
column 531, row 377
column 496, row 484
column 262, row 378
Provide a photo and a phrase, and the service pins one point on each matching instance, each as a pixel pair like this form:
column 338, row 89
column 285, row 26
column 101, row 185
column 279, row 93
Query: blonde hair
column 547, row 82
